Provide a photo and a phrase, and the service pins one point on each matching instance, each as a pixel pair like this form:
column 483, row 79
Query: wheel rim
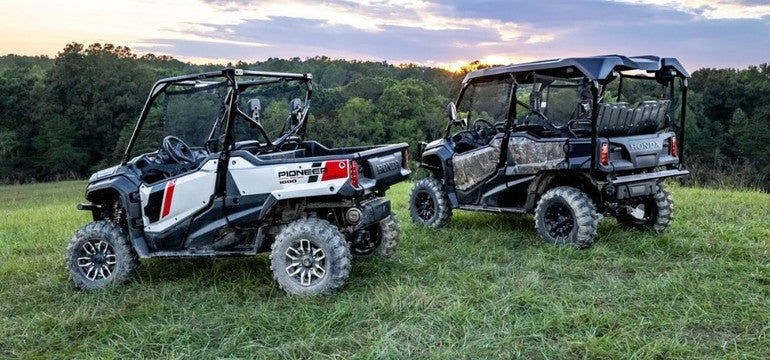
column 365, row 244
column 559, row 220
column 424, row 206
column 361, row 251
column 307, row 262
column 97, row 260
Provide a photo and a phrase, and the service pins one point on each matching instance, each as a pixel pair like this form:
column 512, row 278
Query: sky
column 701, row 33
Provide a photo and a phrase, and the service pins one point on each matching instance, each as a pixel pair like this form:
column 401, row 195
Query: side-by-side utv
column 218, row 165
column 565, row 139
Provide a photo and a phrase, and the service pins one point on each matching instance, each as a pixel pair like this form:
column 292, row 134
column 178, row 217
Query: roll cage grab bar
column 230, row 102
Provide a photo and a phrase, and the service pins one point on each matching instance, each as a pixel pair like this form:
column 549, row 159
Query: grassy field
column 485, row 287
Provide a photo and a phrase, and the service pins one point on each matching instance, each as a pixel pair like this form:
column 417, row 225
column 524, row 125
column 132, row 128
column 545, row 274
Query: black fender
column 437, row 158
column 546, row 180
column 127, row 191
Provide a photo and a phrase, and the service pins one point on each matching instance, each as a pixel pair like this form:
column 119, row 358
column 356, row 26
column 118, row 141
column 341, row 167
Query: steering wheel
column 478, row 123
column 483, row 130
column 175, row 149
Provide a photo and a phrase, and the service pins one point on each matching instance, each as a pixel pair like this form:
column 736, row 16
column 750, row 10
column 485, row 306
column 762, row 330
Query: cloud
column 396, row 30
column 699, row 32
column 370, row 15
column 575, row 28
column 535, row 39
column 712, row 9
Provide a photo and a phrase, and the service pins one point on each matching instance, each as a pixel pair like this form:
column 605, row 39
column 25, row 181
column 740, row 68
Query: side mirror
column 451, row 110
column 295, row 107
column 255, row 107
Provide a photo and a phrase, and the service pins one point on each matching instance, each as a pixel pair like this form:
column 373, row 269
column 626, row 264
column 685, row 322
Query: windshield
column 488, row 101
column 186, row 111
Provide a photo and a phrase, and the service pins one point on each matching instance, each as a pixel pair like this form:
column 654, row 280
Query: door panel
column 473, row 167
column 170, row 202
column 527, row 156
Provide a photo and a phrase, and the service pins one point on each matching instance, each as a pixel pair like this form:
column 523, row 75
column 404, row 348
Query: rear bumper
column 648, row 176
column 628, row 186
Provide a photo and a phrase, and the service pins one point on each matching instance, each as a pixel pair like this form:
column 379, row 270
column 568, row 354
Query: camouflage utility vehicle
column 218, row 165
column 565, row 139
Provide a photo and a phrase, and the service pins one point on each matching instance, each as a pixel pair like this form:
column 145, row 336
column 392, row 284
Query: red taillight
column 353, row 173
column 405, row 162
column 673, row 146
column 605, row 154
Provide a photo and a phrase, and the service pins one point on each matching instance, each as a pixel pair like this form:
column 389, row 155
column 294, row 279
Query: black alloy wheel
column 566, row 215
column 559, row 220
column 429, row 203
column 425, row 206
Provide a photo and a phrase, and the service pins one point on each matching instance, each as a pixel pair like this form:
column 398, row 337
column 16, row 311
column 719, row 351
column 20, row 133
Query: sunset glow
column 446, row 34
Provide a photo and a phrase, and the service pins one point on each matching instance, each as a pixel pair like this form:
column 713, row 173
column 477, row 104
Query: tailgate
column 641, row 151
column 384, row 166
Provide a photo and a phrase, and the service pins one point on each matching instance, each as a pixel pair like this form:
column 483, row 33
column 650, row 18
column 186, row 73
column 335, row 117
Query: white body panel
column 288, row 181
column 188, row 194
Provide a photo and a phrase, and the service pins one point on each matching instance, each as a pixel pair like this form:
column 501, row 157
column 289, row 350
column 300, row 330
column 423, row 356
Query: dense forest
column 63, row 117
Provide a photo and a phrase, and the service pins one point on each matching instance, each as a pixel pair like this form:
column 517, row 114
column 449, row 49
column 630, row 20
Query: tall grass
column 485, row 287
column 726, row 175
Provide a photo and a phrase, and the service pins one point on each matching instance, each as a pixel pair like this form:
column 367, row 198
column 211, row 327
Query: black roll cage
column 598, row 70
column 230, row 75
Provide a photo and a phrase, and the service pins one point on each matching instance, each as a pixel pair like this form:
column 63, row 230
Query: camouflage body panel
column 474, row 166
column 529, row 156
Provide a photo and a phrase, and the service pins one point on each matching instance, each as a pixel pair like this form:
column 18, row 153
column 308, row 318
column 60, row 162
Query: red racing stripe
column 167, row 197
column 336, row 169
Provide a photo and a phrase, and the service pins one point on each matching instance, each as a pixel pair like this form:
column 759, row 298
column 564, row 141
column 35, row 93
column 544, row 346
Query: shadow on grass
column 489, row 238
column 206, row 271
column 517, row 232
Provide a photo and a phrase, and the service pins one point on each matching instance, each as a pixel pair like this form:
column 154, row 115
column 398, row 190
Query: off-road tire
column 658, row 212
column 565, row 215
column 303, row 239
column 389, row 237
column 99, row 255
column 385, row 237
column 429, row 203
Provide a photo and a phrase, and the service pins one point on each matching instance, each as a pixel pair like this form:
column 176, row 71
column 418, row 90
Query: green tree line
column 63, row 117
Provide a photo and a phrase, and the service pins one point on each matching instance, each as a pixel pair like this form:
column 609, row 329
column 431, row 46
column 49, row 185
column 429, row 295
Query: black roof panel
column 594, row 67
